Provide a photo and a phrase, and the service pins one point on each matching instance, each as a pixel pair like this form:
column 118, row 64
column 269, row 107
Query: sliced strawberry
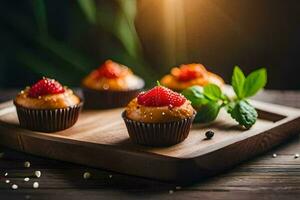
column 45, row 86
column 189, row 72
column 110, row 70
column 160, row 96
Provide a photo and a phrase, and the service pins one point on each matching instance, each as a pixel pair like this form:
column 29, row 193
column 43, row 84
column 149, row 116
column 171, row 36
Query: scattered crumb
column 14, row 186
column 274, row 155
column 38, row 174
column 178, row 188
column 296, row 155
column 7, row 181
column 110, row 176
column 27, row 164
column 26, row 179
column 86, row 175
column 35, row 185
column 6, row 174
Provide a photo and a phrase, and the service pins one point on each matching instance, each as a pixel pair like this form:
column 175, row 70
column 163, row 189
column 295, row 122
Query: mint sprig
column 238, row 82
column 212, row 92
column 210, row 99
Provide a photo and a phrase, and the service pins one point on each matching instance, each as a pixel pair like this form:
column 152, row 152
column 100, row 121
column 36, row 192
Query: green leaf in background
column 125, row 29
column 254, row 82
column 129, row 8
column 105, row 30
column 89, row 9
column 195, row 95
column 237, row 81
column 208, row 112
column 244, row 113
column 212, row 92
column 44, row 68
column 40, row 12
column 68, row 55
column 58, row 52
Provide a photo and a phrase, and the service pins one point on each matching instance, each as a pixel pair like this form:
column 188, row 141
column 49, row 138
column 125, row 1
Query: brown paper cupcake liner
column 158, row 134
column 97, row 99
column 48, row 120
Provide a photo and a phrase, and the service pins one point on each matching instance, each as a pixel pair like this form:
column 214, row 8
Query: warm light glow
column 175, row 30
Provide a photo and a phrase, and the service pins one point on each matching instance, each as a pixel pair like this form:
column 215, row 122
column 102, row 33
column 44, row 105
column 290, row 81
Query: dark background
column 56, row 38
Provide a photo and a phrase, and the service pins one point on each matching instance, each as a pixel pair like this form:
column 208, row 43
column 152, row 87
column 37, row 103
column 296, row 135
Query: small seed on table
column 6, row 174
column 274, row 155
column 26, row 179
column 87, row 175
column 7, row 181
column 27, row 164
column 209, row 134
column 296, row 155
column 14, row 186
column 38, row 174
column 35, row 185
column 178, row 188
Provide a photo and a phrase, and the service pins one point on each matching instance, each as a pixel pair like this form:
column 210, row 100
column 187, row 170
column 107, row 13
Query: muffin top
column 112, row 76
column 46, row 94
column 159, row 105
column 188, row 75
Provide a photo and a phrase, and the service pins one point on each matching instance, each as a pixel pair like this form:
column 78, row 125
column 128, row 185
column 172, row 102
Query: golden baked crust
column 137, row 112
column 207, row 77
column 128, row 82
column 51, row 101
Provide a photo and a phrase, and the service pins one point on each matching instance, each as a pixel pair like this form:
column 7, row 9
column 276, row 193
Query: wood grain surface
column 264, row 177
column 103, row 134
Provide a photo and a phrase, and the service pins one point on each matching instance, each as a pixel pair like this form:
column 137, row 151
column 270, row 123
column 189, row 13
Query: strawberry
column 45, row 86
column 188, row 72
column 110, row 70
column 160, row 96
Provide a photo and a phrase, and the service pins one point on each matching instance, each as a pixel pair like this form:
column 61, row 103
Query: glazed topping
column 45, row 86
column 110, row 70
column 160, row 96
column 188, row 72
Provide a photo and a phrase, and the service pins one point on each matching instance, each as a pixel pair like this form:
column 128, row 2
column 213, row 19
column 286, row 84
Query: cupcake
column 111, row 85
column 47, row 106
column 188, row 75
column 158, row 117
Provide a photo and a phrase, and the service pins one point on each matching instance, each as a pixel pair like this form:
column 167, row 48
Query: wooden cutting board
column 100, row 139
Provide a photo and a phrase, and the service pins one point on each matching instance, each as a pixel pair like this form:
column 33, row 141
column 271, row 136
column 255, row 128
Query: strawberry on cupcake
column 159, row 117
column 47, row 106
column 111, row 85
column 188, row 75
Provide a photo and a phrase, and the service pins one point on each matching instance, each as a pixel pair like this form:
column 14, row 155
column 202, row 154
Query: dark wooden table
column 265, row 177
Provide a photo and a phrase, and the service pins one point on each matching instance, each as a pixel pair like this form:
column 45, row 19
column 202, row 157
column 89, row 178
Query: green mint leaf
column 229, row 107
column 254, row 82
column 208, row 112
column 196, row 96
column 212, row 92
column 244, row 113
column 237, row 81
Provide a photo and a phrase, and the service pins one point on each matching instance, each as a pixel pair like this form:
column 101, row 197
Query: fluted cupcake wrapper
column 48, row 120
column 105, row 99
column 158, row 134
